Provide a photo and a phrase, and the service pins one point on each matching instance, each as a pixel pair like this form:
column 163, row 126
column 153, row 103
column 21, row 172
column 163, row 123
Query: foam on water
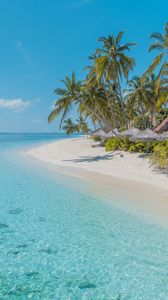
column 57, row 242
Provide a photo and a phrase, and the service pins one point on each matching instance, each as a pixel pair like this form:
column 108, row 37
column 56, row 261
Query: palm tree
column 160, row 44
column 112, row 62
column 88, row 100
column 112, row 65
column 136, row 98
column 147, row 95
column 82, row 125
column 70, row 127
column 157, row 95
column 68, row 95
column 95, row 105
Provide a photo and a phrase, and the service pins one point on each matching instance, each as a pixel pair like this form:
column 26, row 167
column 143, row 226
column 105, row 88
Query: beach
column 83, row 153
column 129, row 175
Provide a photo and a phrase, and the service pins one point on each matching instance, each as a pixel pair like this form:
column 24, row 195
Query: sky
column 42, row 41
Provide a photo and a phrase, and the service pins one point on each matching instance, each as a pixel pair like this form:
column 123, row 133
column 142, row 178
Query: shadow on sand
column 90, row 159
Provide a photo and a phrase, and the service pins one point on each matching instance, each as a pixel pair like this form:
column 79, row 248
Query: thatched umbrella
column 163, row 136
column 98, row 133
column 146, row 135
column 130, row 132
column 112, row 133
column 105, row 135
column 116, row 131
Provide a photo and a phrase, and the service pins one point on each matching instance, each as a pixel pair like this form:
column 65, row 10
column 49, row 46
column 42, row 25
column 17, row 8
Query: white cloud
column 22, row 51
column 16, row 105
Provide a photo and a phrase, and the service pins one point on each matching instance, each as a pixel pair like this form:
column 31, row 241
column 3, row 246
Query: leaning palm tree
column 67, row 96
column 94, row 105
column 88, row 100
column 160, row 44
column 70, row 127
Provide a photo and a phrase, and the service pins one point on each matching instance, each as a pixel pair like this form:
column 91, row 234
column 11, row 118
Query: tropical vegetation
column 109, row 96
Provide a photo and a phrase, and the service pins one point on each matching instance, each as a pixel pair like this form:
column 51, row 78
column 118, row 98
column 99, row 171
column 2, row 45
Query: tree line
column 107, row 97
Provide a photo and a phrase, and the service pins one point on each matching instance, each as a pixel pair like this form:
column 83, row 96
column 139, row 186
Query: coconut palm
column 82, row 125
column 112, row 62
column 95, row 105
column 136, row 99
column 88, row 100
column 70, row 127
column 113, row 65
column 147, row 95
column 156, row 94
column 160, row 44
column 99, row 97
column 67, row 96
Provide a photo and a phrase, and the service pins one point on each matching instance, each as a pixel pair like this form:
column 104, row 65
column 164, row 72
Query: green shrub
column 118, row 143
column 112, row 144
column 138, row 147
column 125, row 144
column 143, row 147
column 160, row 155
column 158, row 150
column 96, row 138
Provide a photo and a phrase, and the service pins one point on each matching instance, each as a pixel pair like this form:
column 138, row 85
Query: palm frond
column 119, row 37
column 153, row 66
column 53, row 115
column 158, row 36
column 156, row 46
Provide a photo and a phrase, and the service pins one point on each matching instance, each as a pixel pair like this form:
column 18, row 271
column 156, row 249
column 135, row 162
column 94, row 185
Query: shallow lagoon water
column 59, row 242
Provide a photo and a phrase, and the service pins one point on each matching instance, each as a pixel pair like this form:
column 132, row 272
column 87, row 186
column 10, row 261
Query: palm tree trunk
column 122, row 104
column 103, row 118
column 143, row 115
column 111, row 106
column 100, row 119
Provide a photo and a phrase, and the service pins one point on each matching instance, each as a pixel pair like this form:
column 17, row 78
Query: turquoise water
column 59, row 242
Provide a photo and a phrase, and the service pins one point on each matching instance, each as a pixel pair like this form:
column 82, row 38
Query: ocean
column 60, row 242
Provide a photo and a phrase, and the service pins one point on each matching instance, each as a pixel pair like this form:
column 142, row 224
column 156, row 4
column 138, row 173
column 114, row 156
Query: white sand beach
column 79, row 153
column 128, row 174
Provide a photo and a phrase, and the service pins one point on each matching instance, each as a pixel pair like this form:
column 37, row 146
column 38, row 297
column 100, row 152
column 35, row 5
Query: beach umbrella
column 163, row 136
column 146, row 136
column 106, row 135
column 98, row 133
column 116, row 131
column 110, row 134
column 130, row 132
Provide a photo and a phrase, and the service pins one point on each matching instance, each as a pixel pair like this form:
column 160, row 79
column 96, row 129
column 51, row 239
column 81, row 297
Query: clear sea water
column 58, row 242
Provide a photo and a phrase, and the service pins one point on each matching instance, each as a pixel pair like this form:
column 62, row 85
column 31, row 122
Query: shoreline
column 78, row 153
column 131, row 177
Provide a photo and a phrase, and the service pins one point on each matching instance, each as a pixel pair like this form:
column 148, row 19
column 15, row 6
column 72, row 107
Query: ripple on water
column 58, row 244
column 15, row 211
column 87, row 285
column 48, row 251
column 2, row 226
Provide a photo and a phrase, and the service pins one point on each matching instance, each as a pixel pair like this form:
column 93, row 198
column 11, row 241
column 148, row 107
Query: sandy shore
column 79, row 153
column 119, row 175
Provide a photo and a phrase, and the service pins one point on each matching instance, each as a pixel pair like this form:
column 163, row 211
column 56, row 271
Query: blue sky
column 44, row 40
